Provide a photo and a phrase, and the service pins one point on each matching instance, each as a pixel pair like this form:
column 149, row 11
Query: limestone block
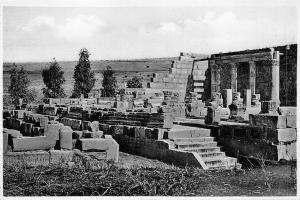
column 43, row 121
column 52, row 130
column 287, row 110
column 270, row 121
column 287, row 151
column 65, row 137
column 94, row 126
column 291, row 121
column 282, row 135
column 5, row 142
column 19, row 113
column 13, row 133
column 60, row 156
column 31, row 158
column 109, row 145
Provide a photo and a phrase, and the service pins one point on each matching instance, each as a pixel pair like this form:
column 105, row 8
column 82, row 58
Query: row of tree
column 53, row 78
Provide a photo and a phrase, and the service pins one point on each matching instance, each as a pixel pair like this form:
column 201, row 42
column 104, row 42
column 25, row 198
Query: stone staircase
column 199, row 141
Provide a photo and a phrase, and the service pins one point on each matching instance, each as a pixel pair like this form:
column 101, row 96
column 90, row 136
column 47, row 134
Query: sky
column 42, row 33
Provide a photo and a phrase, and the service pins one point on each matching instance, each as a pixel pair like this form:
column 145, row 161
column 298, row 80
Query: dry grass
column 131, row 178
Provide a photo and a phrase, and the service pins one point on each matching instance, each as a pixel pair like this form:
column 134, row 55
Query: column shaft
column 252, row 75
column 233, row 75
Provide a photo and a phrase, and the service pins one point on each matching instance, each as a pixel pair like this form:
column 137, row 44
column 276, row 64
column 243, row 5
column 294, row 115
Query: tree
column 53, row 78
column 135, row 82
column 19, row 83
column 109, row 83
column 83, row 76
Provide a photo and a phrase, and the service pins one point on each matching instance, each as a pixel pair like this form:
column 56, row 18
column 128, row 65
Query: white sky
column 41, row 33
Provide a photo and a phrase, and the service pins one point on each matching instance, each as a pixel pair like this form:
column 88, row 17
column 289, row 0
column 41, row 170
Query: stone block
column 36, row 131
column 94, row 126
column 65, row 137
column 269, row 121
column 31, row 158
column 287, row 151
column 13, row 133
column 287, row 110
column 52, row 130
column 282, row 135
column 60, row 156
column 291, row 121
column 100, row 144
column 43, row 121
column 19, row 113
column 5, row 142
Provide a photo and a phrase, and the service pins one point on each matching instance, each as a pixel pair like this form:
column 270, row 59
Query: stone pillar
column 233, row 75
column 215, row 78
column 227, row 97
column 247, row 98
column 275, row 77
column 252, row 73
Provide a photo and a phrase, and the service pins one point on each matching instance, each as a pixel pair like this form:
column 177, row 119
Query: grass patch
column 128, row 178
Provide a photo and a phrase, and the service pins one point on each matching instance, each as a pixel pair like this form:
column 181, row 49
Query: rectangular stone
column 282, row 135
column 19, row 114
column 65, row 137
column 5, row 142
column 31, row 158
column 291, row 121
column 109, row 145
column 270, row 121
column 60, row 156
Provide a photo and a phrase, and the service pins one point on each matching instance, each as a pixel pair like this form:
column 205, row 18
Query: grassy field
column 139, row 176
column 125, row 69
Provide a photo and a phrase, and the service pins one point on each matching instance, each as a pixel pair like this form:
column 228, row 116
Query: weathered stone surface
column 58, row 156
column 227, row 97
column 19, row 113
column 282, row 135
column 38, row 143
column 86, row 125
column 291, row 121
column 94, row 126
column 247, row 98
column 13, row 133
column 269, row 107
column 287, row 151
column 31, row 158
column 108, row 145
column 90, row 134
column 287, row 110
column 65, row 137
column 270, row 121
column 5, row 142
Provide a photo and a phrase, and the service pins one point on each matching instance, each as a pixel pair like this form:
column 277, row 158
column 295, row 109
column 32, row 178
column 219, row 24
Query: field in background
column 125, row 69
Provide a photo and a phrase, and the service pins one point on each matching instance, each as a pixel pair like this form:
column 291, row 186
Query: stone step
column 224, row 163
column 203, row 149
column 184, row 146
column 193, row 140
column 207, row 156
column 189, row 133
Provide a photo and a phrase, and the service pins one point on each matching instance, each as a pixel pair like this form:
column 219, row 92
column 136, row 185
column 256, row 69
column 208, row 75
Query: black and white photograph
column 149, row 99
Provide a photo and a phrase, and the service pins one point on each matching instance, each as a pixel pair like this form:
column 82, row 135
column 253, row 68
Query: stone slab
column 59, row 156
column 270, row 121
column 5, row 142
column 109, row 145
column 31, row 158
column 65, row 137
column 282, row 135
column 291, row 121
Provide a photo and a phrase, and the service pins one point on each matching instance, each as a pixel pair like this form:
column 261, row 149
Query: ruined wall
column 288, row 76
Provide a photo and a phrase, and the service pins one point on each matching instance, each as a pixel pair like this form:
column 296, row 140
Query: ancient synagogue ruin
column 206, row 112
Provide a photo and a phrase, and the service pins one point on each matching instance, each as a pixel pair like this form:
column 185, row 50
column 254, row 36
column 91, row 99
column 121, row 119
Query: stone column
column 227, row 97
column 252, row 75
column 275, row 77
column 233, row 75
column 215, row 78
